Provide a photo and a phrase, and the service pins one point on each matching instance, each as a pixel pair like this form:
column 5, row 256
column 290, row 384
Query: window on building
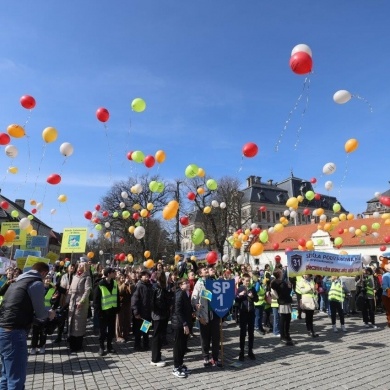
column 269, row 216
column 257, row 261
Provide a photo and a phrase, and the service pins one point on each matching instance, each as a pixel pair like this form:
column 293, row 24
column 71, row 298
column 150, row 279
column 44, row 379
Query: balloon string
column 109, row 151
column 69, row 214
column 345, row 174
column 290, row 114
column 242, row 160
column 28, row 164
column 39, row 169
column 364, row 100
column 303, row 114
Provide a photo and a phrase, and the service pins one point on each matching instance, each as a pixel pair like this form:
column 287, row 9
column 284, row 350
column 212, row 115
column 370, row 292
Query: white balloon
column 301, row 47
column 24, row 223
column 376, row 214
column 53, row 211
column 100, row 252
column 286, row 213
column 253, row 226
column 375, row 234
column 240, row 259
column 139, row 232
column 329, row 168
column 271, row 230
column 225, row 258
column 323, row 217
column 328, row 185
column 95, row 213
column 351, row 229
column 124, row 195
column 366, row 259
column 107, row 224
column 377, row 194
column 138, row 188
column 293, row 214
column 39, row 206
column 107, row 262
column 11, row 151
column 342, row 96
column 122, row 205
column 222, row 205
column 315, row 213
column 214, row 203
column 66, row 149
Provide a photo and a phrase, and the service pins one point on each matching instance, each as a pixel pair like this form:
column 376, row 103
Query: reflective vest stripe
column 274, row 303
column 109, row 300
column 48, row 296
column 336, row 292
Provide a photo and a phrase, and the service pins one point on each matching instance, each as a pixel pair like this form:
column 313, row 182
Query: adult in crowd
column 281, row 288
column 336, row 298
column 260, row 304
column 308, row 302
column 141, row 304
column 181, row 318
column 23, row 302
column 208, row 320
column 106, row 304
column 124, row 317
column 79, row 291
column 161, row 305
column 385, row 265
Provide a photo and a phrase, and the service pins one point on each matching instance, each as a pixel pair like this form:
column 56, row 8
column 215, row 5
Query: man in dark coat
column 141, row 305
column 181, row 319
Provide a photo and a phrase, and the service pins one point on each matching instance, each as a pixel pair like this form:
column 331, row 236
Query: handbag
column 268, row 297
column 309, row 303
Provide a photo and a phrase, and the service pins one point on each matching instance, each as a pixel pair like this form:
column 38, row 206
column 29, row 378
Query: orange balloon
column 149, row 263
column 160, row 156
column 147, row 254
column 256, row 249
column 200, row 190
column 9, row 235
column 351, row 145
column 237, row 244
column 90, row 255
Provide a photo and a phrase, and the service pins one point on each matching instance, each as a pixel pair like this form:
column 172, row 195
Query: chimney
column 250, row 181
column 270, row 181
column 20, row 202
column 258, row 179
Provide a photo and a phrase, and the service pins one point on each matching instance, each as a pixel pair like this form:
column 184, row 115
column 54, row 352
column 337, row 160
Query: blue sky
column 214, row 74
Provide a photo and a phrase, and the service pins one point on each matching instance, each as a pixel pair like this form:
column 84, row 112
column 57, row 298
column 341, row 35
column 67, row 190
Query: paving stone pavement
column 342, row 361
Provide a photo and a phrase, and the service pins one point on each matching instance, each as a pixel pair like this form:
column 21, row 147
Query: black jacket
column 141, row 301
column 97, row 300
column 182, row 310
column 283, row 290
column 161, row 303
column 244, row 302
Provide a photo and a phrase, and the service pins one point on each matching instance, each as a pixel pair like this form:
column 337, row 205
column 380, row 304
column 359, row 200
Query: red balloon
column 105, row 213
column 212, row 257
column 33, row 211
column 306, row 211
column 385, row 200
column 184, row 220
column 239, row 231
column 149, row 161
column 116, row 257
column 54, row 179
column 102, row 114
column 136, row 216
column 341, row 231
column 4, row 205
column 313, row 180
column 122, row 257
column 250, row 149
column 317, row 196
column 121, row 241
column 256, row 231
column 301, row 63
column 97, row 207
column 278, row 259
column 302, row 242
column 263, row 208
column 288, row 249
column 28, row 102
column 2, row 239
column 95, row 220
column 386, row 239
column 276, row 246
column 382, row 248
column 191, row 196
column 88, row 215
column 128, row 155
column 5, row 139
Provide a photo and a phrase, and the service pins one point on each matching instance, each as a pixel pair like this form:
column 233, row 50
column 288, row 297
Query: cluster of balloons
column 193, row 170
column 301, row 61
column 137, row 105
column 149, row 161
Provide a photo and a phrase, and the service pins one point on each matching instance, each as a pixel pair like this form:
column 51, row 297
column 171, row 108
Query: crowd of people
column 132, row 301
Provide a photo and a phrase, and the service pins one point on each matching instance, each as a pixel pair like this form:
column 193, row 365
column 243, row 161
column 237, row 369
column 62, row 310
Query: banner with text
column 323, row 263
column 74, row 240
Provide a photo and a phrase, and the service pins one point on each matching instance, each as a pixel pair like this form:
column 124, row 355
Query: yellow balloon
column 147, row 254
column 16, row 131
column 33, row 233
column 107, row 234
column 150, row 206
column 49, row 134
column 13, row 170
column 131, row 229
column 90, row 255
column 282, row 219
column 206, row 241
column 342, row 217
column 292, row 202
column 350, row 217
column 177, row 257
column 327, row 227
column 29, row 229
column 144, row 213
column 207, row 210
column 256, row 249
column 351, row 145
column 358, row 232
column 200, row 190
column 320, row 211
column 300, row 198
column 62, row 198
column 247, row 232
column 160, row 156
column 343, row 252
column 90, row 235
column 138, row 105
column 201, row 172
column 309, row 245
column 244, row 237
column 335, row 221
column 149, row 263
column 278, row 228
column 136, row 206
column 385, row 216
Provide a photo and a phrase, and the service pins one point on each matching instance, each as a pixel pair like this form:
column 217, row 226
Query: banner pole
column 221, row 338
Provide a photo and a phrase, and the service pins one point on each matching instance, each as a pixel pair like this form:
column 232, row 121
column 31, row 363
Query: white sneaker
column 33, row 351
column 42, row 350
column 374, row 326
column 366, row 325
column 335, row 329
column 178, row 373
column 225, row 324
column 158, row 364
column 343, row 328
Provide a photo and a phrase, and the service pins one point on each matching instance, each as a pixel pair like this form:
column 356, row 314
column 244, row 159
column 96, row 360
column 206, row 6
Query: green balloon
column 30, row 217
column 197, row 236
column 309, row 195
column 14, row 214
column 211, row 184
column 338, row 241
column 137, row 156
column 98, row 226
column 376, row 225
column 125, row 214
column 191, row 171
column 320, row 241
column 363, row 228
column 264, row 236
column 336, row 207
column 153, row 186
column 137, row 224
column 160, row 187
column 138, row 105
column 115, row 214
column 362, row 241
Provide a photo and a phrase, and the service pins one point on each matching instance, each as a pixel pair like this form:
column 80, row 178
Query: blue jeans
column 324, row 304
column 259, row 317
column 275, row 325
column 13, row 353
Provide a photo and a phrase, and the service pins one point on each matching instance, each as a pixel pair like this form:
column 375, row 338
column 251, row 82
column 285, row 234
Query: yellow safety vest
column 48, row 296
column 302, row 285
column 274, row 303
column 261, row 295
column 336, row 292
column 297, row 287
column 109, row 300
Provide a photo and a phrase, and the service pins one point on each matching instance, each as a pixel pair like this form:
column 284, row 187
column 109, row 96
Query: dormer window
column 280, row 197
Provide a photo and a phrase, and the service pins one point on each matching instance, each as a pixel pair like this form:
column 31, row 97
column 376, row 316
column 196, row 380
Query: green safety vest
column 311, row 292
column 336, row 292
column 48, row 296
column 297, row 288
column 109, row 300
column 370, row 287
column 274, row 303
column 261, row 295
